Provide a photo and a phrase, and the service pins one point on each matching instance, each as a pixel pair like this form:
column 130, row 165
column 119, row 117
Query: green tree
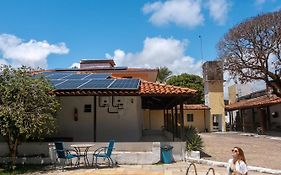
column 189, row 81
column 251, row 50
column 163, row 74
column 27, row 107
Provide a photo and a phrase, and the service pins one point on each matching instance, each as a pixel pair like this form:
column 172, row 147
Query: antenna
column 201, row 47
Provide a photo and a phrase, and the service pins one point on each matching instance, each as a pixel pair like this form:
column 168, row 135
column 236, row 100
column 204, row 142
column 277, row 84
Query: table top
column 82, row 145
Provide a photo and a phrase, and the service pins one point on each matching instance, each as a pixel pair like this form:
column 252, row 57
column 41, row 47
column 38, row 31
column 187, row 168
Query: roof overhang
column 262, row 101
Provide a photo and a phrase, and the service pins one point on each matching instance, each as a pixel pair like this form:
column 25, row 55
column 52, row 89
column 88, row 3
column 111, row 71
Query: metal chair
column 105, row 153
column 65, row 154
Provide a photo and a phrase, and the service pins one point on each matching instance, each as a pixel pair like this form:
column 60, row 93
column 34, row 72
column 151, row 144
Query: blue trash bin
column 166, row 154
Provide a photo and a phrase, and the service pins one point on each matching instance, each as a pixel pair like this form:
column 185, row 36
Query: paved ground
column 259, row 151
column 178, row 168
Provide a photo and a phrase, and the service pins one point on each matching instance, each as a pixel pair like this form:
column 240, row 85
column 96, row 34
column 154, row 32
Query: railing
column 194, row 166
column 213, row 170
column 195, row 169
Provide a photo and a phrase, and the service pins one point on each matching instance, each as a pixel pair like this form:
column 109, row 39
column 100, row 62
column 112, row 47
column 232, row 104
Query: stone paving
column 178, row 168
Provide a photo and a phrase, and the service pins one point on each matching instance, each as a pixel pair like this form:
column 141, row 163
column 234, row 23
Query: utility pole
column 201, row 47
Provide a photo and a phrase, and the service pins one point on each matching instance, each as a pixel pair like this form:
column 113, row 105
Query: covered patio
column 167, row 98
column 121, row 111
column 250, row 114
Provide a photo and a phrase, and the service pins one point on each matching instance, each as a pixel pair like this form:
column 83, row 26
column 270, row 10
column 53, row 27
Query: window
column 189, row 117
column 87, row 108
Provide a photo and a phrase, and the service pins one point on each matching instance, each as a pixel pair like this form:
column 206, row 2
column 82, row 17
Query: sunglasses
column 234, row 150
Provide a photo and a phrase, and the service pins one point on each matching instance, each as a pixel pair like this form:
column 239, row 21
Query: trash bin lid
column 166, row 147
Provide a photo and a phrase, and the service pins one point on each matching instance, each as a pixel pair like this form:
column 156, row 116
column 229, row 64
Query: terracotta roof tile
column 151, row 88
column 253, row 103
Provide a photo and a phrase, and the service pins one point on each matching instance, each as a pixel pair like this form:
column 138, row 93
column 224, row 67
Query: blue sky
column 136, row 33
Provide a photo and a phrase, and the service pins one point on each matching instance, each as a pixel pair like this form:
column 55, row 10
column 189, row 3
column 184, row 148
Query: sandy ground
column 178, row 168
column 259, row 151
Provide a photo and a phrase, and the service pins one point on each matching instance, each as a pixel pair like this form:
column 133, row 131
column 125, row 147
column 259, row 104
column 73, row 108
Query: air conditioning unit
column 103, row 101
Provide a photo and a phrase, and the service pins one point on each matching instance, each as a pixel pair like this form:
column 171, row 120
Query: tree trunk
column 13, row 149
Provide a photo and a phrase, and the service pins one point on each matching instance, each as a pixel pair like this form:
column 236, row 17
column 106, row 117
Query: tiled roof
column 195, row 107
column 151, row 88
column 146, row 89
column 253, row 103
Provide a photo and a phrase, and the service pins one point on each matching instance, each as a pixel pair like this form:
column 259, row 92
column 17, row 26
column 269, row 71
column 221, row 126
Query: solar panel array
column 70, row 80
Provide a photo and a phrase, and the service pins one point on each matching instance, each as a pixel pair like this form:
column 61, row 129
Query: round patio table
column 82, row 150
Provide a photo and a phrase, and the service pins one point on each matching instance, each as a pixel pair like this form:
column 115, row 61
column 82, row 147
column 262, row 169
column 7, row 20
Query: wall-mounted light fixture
column 75, row 114
column 132, row 100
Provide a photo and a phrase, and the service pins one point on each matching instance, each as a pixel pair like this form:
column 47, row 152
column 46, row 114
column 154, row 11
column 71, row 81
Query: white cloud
column 75, row 65
column 218, row 10
column 3, row 61
column 158, row 52
column 30, row 53
column 243, row 89
column 185, row 13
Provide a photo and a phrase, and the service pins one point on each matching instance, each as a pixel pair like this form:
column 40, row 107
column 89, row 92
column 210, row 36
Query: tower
column 214, row 96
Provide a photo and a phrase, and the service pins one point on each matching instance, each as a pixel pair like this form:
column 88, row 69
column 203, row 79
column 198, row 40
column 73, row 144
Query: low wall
column 124, row 152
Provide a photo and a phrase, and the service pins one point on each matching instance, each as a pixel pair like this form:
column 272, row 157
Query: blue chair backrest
column 60, row 150
column 110, row 148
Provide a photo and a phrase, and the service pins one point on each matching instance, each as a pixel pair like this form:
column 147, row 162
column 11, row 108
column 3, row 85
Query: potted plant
column 194, row 143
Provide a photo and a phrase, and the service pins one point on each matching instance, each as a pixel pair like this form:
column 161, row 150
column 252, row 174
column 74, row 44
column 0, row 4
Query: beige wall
column 198, row 119
column 153, row 119
column 215, row 100
column 232, row 94
column 81, row 130
column 126, row 125
column 156, row 119
column 112, row 123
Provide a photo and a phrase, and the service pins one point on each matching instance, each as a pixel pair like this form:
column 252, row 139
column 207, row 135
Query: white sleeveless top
column 240, row 167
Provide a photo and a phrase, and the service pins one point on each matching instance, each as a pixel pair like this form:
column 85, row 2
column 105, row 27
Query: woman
column 237, row 165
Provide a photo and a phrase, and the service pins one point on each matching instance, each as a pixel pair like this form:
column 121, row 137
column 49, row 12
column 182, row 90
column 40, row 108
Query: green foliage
column 27, row 106
column 163, row 74
column 193, row 140
column 189, row 81
column 23, row 169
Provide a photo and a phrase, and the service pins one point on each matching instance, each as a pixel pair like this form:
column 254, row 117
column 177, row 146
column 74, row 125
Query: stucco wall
column 81, row 130
column 216, row 102
column 157, row 119
column 126, row 125
column 198, row 119
column 122, row 124
column 153, row 119
column 124, row 152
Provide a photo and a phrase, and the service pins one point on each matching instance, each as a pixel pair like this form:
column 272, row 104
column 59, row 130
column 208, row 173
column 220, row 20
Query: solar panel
column 132, row 84
column 77, row 76
column 59, row 75
column 98, row 76
column 56, row 82
column 97, row 84
column 71, row 84
column 47, row 73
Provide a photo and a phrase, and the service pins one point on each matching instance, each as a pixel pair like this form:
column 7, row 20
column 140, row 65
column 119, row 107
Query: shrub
column 193, row 140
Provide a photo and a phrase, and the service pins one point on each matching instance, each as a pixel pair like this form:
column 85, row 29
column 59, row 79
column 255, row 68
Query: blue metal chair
column 65, row 154
column 105, row 153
